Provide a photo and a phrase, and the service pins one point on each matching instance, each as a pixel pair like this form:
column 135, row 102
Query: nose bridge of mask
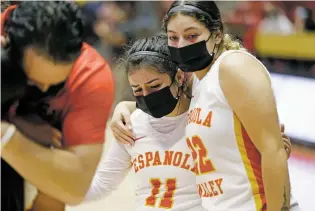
column 157, row 104
column 182, row 55
column 155, row 99
column 158, row 94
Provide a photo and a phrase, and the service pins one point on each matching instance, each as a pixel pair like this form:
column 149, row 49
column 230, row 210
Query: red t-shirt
column 86, row 100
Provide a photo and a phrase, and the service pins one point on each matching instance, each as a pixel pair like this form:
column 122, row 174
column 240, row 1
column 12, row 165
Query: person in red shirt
column 74, row 90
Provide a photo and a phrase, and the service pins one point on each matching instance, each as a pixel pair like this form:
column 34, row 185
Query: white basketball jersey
column 163, row 166
column 229, row 174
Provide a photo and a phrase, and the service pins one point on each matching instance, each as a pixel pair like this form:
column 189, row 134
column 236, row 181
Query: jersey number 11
column 167, row 198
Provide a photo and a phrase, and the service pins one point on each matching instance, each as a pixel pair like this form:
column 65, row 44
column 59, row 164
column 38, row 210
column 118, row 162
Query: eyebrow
column 146, row 82
column 187, row 29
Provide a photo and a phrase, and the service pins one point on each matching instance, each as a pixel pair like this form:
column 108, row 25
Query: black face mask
column 157, row 104
column 193, row 57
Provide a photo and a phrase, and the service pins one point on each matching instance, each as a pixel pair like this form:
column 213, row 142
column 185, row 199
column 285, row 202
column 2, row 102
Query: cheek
column 172, row 43
column 34, row 73
column 35, row 70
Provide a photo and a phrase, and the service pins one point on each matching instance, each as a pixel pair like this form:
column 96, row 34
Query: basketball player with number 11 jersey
column 162, row 163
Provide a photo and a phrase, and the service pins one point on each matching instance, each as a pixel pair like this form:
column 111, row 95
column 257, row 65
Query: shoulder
column 91, row 69
column 91, row 74
column 244, row 81
column 140, row 123
column 242, row 66
column 138, row 117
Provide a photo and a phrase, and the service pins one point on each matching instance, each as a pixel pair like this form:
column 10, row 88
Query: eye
column 173, row 38
column 193, row 36
column 156, row 86
column 138, row 90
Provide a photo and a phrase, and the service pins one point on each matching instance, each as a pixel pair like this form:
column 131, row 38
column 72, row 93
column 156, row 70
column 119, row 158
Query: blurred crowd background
column 280, row 33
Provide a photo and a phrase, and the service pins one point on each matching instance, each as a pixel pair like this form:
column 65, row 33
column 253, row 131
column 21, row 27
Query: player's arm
column 110, row 172
column 66, row 174
column 248, row 90
column 120, row 123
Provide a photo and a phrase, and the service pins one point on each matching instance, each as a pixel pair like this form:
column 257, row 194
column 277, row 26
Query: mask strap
column 215, row 45
column 209, row 38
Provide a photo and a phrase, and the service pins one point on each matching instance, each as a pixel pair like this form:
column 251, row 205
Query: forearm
column 103, row 186
column 110, row 173
column 276, row 180
column 58, row 173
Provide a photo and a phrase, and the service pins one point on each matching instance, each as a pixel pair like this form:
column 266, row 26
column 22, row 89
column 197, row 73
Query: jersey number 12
column 199, row 153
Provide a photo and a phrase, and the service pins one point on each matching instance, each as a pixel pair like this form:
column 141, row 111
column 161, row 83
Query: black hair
column 54, row 28
column 309, row 23
column 208, row 13
column 211, row 17
column 156, row 45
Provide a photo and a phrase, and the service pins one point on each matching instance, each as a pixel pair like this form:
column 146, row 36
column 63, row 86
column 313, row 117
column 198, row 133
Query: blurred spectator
column 309, row 22
column 303, row 19
column 142, row 19
column 110, row 25
column 90, row 18
column 101, row 23
column 275, row 21
column 163, row 7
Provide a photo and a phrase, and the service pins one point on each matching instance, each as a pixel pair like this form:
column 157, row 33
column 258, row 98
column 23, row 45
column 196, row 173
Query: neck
column 181, row 107
column 201, row 73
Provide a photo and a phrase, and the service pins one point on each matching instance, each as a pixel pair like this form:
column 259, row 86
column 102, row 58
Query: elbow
column 77, row 193
column 275, row 158
column 279, row 153
column 76, row 198
column 74, row 201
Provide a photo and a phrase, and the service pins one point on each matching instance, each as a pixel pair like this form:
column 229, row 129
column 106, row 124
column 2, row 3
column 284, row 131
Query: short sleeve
column 86, row 121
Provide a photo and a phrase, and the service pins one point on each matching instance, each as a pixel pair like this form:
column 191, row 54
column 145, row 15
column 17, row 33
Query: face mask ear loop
column 215, row 45
column 209, row 38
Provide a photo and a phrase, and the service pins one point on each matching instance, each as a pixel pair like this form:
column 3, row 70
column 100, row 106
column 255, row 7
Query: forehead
column 181, row 23
column 143, row 75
